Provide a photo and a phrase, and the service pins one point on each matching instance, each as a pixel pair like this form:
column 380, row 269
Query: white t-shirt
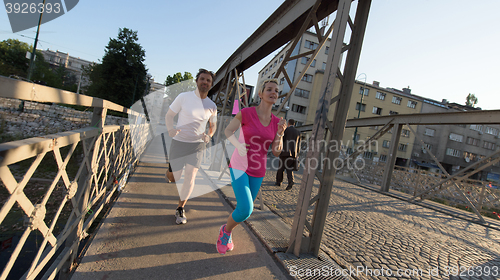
column 194, row 113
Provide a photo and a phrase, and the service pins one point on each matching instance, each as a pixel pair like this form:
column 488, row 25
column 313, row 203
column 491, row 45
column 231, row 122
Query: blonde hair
column 263, row 85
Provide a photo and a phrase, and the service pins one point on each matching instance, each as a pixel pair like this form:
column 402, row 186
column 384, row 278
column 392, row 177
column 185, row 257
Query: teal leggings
column 245, row 189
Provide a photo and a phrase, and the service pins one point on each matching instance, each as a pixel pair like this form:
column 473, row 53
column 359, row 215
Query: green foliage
column 177, row 78
column 13, row 59
column 471, row 100
column 121, row 77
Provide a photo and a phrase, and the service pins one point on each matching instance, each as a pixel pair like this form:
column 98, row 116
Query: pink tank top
column 259, row 138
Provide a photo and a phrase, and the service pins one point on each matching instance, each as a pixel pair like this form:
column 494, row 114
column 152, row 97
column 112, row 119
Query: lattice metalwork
column 81, row 170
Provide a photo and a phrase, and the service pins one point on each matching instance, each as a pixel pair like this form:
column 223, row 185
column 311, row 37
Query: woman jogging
column 259, row 130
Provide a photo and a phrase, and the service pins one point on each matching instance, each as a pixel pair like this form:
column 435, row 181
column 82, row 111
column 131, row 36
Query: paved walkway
column 140, row 240
column 367, row 233
column 372, row 230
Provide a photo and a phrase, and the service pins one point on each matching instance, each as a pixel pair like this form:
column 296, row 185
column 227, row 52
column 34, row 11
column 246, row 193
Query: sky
column 441, row 49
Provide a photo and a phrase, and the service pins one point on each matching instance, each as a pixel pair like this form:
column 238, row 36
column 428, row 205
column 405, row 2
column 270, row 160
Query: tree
column 13, row 60
column 178, row 78
column 471, row 100
column 121, row 77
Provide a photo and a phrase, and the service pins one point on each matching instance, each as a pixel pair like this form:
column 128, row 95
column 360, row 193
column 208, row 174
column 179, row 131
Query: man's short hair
column 291, row 122
column 205, row 71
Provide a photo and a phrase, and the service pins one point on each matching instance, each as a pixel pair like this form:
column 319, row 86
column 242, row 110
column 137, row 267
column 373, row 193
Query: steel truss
column 314, row 230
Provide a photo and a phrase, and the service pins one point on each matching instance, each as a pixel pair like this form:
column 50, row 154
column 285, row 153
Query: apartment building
column 371, row 100
column 73, row 64
column 456, row 146
column 298, row 104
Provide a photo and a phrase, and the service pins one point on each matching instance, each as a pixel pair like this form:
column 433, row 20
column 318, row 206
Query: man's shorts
column 182, row 153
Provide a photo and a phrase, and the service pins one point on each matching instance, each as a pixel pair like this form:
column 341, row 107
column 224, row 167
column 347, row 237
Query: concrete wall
column 40, row 119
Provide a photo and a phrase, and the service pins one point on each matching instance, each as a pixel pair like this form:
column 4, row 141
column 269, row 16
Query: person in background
column 288, row 157
column 260, row 129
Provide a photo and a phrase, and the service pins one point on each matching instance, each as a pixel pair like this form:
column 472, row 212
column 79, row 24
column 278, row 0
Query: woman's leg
column 245, row 190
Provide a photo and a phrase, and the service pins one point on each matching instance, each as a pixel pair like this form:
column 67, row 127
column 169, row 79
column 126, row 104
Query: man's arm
column 169, row 122
column 213, row 126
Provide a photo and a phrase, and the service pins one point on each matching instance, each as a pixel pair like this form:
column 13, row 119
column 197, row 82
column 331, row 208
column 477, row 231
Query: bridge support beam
column 300, row 224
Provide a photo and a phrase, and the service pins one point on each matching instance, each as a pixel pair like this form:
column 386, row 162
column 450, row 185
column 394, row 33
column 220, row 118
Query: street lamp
column 359, row 110
column 32, row 57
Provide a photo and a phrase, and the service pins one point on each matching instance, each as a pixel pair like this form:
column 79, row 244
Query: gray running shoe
column 180, row 217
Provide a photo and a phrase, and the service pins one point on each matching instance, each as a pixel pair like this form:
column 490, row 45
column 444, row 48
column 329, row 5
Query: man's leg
column 279, row 173
column 289, row 166
column 188, row 184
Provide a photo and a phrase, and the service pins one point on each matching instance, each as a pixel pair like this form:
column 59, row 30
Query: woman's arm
column 229, row 132
column 277, row 146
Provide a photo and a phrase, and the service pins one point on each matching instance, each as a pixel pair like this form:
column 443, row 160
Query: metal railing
column 86, row 167
column 416, row 181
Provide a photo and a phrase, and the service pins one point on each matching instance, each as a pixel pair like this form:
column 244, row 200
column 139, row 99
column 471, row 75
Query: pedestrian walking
column 289, row 155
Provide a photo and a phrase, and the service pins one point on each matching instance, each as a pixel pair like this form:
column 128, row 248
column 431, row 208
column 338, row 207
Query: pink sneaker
column 225, row 241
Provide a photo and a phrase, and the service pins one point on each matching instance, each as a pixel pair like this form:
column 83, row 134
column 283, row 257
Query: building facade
column 73, row 64
column 456, row 146
column 298, row 104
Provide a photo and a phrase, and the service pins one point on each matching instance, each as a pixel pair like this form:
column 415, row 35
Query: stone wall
column 40, row 119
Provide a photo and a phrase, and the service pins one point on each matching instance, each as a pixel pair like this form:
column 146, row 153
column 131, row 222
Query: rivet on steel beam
column 35, row 220
column 72, row 190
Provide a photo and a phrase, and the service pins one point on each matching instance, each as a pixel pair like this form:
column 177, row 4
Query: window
column 272, row 75
column 363, row 106
column 302, row 93
column 69, row 63
column 491, row 130
column 374, row 127
column 452, row 152
column 262, row 74
column 402, row 147
column 275, row 62
column 489, row 145
column 405, row 133
column 323, row 67
column 365, row 90
column 377, row 110
column 368, row 155
column 267, row 71
column 304, row 60
column 327, row 49
column 281, row 58
column 298, row 109
column 456, row 137
column 380, row 95
column 383, row 158
column 473, row 141
column 313, row 64
column 299, row 123
column 393, row 113
column 428, row 146
column 477, row 127
column 397, row 100
column 468, row 157
column 282, row 80
column 308, row 78
column 386, row 144
column 412, row 104
column 429, row 132
column 310, row 45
